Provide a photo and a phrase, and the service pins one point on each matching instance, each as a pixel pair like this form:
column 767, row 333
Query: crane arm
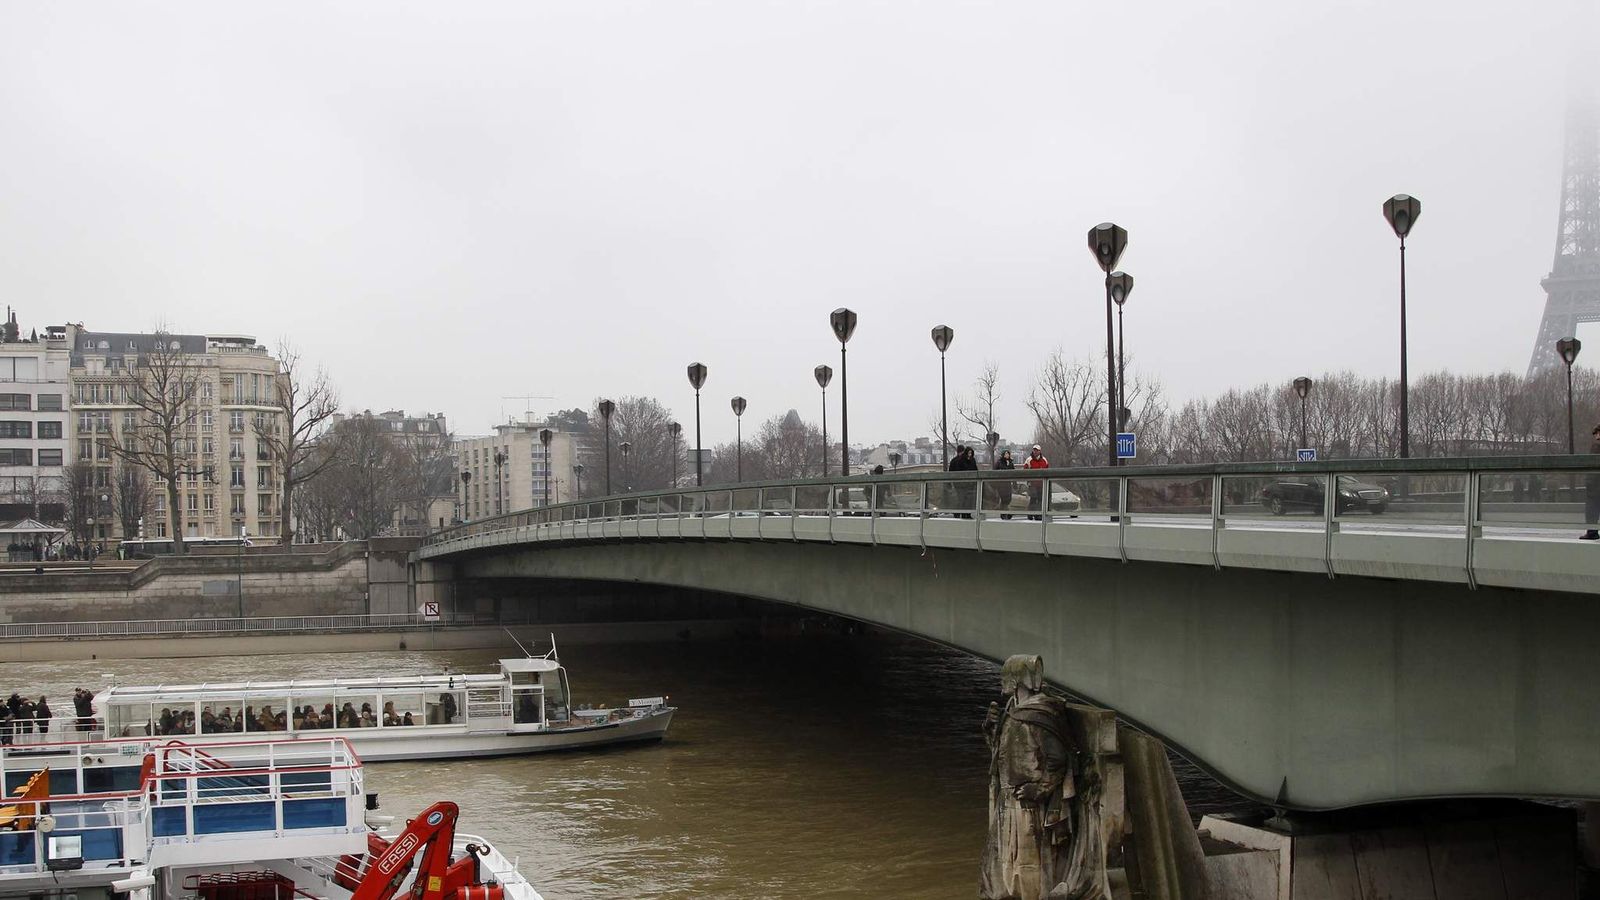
column 431, row 834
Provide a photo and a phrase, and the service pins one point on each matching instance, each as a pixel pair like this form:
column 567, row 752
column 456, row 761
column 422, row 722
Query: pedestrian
column 1003, row 488
column 1591, row 495
column 1035, row 460
column 42, row 714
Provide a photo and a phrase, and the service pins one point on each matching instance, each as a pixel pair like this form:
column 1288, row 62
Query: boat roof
column 300, row 687
column 530, row 664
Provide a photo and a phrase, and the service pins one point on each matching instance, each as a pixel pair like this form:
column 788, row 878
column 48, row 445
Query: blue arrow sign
column 1127, row 445
column 1306, row 454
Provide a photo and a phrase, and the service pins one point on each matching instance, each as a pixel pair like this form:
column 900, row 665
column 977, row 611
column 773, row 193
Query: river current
column 819, row 766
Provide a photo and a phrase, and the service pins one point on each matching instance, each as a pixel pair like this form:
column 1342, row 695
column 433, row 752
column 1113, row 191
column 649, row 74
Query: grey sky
column 446, row 203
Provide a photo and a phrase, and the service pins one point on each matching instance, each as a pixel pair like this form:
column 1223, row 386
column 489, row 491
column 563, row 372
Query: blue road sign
column 1127, row 445
column 1306, row 454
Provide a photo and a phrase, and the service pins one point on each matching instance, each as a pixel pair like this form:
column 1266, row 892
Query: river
column 826, row 765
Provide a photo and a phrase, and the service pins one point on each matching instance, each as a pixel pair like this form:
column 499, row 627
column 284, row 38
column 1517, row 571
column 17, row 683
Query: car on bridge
column 1353, row 495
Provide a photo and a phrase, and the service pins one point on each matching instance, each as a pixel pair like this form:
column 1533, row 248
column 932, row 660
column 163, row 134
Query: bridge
column 1316, row 635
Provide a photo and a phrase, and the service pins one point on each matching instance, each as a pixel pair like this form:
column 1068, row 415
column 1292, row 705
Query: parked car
column 1353, row 495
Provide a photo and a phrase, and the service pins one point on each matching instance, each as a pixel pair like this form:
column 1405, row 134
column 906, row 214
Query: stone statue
column 1045, row 831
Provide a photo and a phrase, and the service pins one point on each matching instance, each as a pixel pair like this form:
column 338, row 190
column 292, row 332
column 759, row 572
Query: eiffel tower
column 1573, row 285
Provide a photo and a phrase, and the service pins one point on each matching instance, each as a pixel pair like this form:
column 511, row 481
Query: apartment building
column 34, row 393
column 230, row 481
column 518, row 480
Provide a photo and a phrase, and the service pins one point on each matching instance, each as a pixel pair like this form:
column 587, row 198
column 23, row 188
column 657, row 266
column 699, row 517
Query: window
column 161, row 529
column 236, row 476
column 102, row 450
column 236, row 421
column 211, row 503
column 85, row 422
column 129, row 421
column 237, row 506
column 12, row 429
column 255, row 388
column 263, row 476
column 205, row 418
column 161, row 502
column 15, row 457
column 49, row 431
column 102, row 476
column 85, row 448
column 208, row 447
column 49, row 457
column 207, row 391
column 263, row 504
column 15, row 368
column 16, row 402
column 238, row 389
column 235, row 449
column 193, row 502
column 50, row 403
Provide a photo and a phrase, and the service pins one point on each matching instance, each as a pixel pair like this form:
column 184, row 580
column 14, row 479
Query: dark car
column 1283, row 496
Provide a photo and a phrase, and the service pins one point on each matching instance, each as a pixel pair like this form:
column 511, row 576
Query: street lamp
column 1568, row 348
column 738, row 438
column 894, row 461
column 627, row 478
column 824, row 375
column 606, row 409
column 697, row 378
column 1106, row 242
column 466, row 477
column 674, row 429
column 843, row 322
column 1402, row 211
column 545, row 435
column 499, row 494
column 942, row 336
column 577, row 473
column 1121, row 287
column 1302, row 386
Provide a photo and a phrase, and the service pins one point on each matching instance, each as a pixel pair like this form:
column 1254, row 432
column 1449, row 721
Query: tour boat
column 525, row 708
column 153, row 819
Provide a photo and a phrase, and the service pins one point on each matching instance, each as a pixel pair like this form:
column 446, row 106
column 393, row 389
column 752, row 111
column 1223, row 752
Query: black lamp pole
column 697, row 378
column 545, row 437
column 466, row 477
column 1402, row 211
column 843, row 322
column 1121, row 287
column 824, row 375
column 942, row 336
column 738, row 438
column 1302, row 386
column 1568, row 348
column 674, row 429
column 1106, row 242
column 499, row 493
column 606, row 409
column 627, row 471
column 577, row 472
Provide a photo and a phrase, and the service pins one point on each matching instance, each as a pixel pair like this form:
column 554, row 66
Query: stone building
column 34, row 437
column 518, row 480
column 230, row 481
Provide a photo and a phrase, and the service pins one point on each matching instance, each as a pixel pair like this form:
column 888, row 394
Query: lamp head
column 1568, row 349
column 606, row 409
column 577, row 468
column 466, row 477
column 843, row 322
column 1121, row 286
column 824, row 376
column 1302, row 386
column 1106, row 242
column 674, row 429
column 545, row 435
column 1402, row 211
column 625, row 446
column 697, row 375
column 942, row 336
column 738, row 406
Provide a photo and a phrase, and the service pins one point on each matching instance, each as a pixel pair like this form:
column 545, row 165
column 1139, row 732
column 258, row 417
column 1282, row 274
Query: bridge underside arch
column 1334, row 692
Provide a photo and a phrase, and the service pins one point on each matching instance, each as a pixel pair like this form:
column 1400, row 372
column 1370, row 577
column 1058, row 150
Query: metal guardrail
column 1339, row 517
column 239, row 626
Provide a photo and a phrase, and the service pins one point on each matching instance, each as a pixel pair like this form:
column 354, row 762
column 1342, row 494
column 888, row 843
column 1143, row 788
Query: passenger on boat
column 407, row 720
column 327, row 718
column 25, row 716
column 164, row 723
column 389, row 718
column 300, row 718
column 448, row 701
column 225, row 720
column 348, row 717
column 265, row 720
column 368, row 720
column 83, row 705
column 42, row 715
column 281, row 723
column 5, row 725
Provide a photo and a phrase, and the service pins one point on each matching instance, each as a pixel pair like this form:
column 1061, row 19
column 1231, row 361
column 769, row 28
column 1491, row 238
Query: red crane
column 431, row 834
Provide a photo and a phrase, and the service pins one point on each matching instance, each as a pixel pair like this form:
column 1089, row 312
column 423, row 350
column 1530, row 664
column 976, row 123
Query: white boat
column 525, row 708
column 259, row 820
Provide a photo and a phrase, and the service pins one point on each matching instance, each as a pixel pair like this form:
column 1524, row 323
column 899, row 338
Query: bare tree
column 363, row 491
column 163, row 390
column 642, row 423
column 305, row 402
column 1068, row 406
column 132, row 495
column 81, row 500
column 978, row 409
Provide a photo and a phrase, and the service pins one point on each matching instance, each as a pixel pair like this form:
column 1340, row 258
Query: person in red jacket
column 1035, row 460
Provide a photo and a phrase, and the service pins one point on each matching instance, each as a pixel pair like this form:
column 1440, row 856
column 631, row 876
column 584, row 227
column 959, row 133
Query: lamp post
column 1302, row 386
column 466, row 478
column 577, row 473
column 1402, row 211
column 1568, row 348
column 824, row 375
column 606, row 409
column 697, row 378
column 738, row 438
column 894, row 461
column 499, row 494
column 627, row 473
column 1106, row 242
column 545, row 436
column 1121, row 287
column 942, row 336
column 674, row 429
column 843, row 322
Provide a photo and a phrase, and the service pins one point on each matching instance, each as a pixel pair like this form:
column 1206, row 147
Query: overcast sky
column 447, row 203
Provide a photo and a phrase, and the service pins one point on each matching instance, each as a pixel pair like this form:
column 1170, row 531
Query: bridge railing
column 1468, row 520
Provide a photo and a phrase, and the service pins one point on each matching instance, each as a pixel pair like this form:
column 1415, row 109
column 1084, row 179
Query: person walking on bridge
column 1591, row 495
column 1035, row 460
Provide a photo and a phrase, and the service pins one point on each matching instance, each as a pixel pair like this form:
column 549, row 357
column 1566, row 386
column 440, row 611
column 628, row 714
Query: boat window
column 129, row 720
column 449, row 706
column 358, row 711
column 555, row 696
column 400, row 710
column 174, row 717
column 313, row 712
column 526, row 705
column 220, row 715
column 484, row 703
column 265, row 715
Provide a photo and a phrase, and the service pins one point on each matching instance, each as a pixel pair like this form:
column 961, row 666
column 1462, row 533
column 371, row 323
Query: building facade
column 229, row 481
column 34, row 431
column 518, row 480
